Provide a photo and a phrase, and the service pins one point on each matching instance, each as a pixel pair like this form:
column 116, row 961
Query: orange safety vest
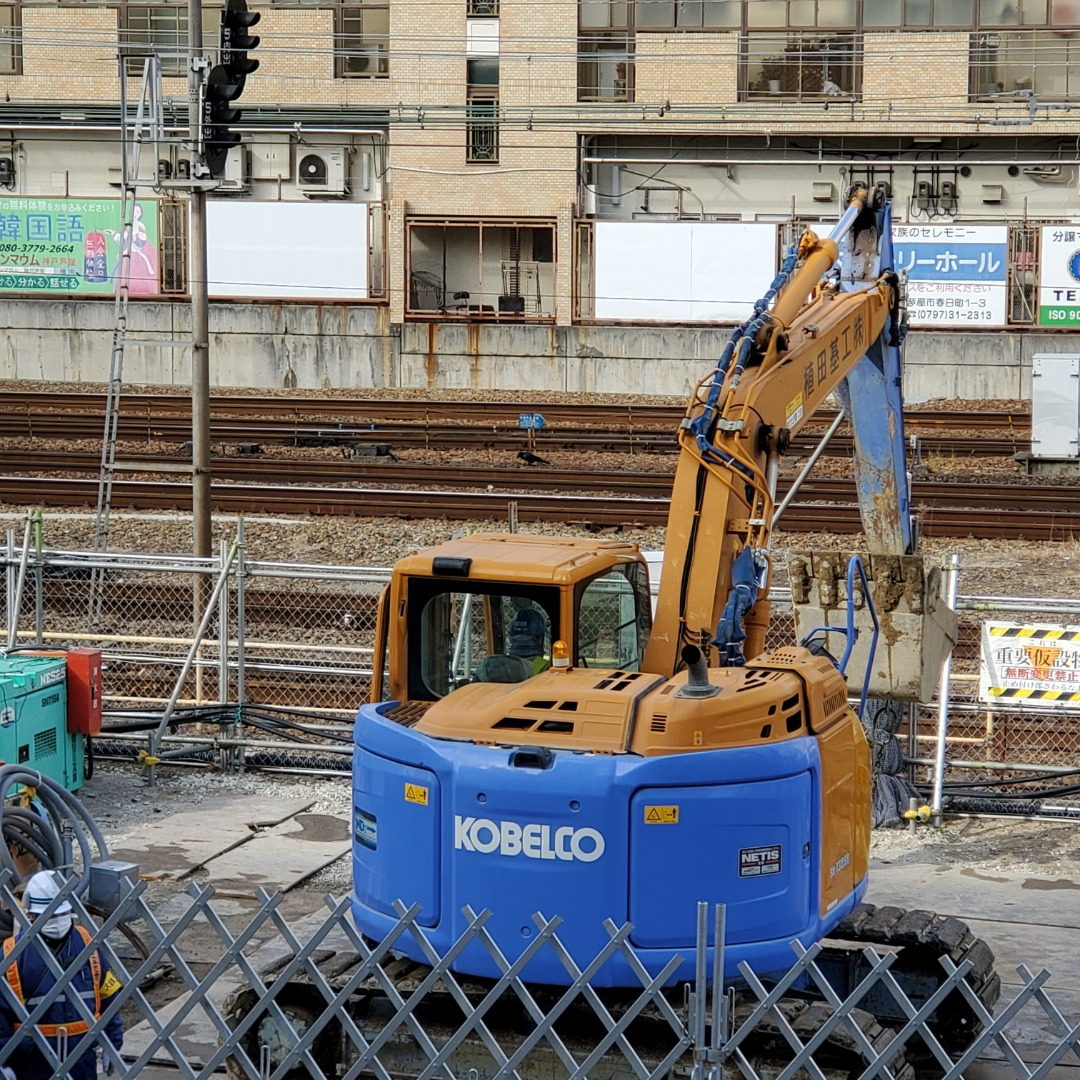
column 72, row 1027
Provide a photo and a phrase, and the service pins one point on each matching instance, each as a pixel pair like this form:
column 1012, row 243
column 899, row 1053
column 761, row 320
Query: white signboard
column 956, row 273
column 1059, row 276
column 1034, row 666
column 682, row 271
column 280, row 250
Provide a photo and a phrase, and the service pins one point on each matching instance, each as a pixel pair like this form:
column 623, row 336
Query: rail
column 986, row 511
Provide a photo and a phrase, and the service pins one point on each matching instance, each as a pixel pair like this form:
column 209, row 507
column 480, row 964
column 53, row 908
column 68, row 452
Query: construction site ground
column 1015, row 881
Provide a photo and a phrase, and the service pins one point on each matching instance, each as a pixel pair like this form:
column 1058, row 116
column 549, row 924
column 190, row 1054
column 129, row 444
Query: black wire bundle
column 275, row 720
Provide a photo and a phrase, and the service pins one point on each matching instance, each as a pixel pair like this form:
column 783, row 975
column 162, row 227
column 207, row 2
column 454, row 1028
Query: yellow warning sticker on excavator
column 794, row 411
column 414, row 793
column 661, row 815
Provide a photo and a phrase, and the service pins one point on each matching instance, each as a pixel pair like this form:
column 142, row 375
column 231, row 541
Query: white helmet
column 40, row 891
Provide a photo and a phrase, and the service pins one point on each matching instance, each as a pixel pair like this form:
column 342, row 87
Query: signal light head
column 560, row 654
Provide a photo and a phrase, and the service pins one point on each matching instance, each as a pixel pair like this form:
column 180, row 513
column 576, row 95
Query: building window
column 363, row 41
column 469, row 269
column 1043, row 63
column 159, row 30
column 172, row 226
column 898, row 14
column 823, row 14
column 482, row 9
column 803, row 66
column 9, row 40
column 482, row 111
column 1023, row 274
column 687, row 14
column 606, row 67
column 1064, row 13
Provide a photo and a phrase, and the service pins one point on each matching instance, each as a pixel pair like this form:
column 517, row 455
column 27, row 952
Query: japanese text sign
column 74, row 246
column 1033, row 667
column 956, row 273
column 1059, row 276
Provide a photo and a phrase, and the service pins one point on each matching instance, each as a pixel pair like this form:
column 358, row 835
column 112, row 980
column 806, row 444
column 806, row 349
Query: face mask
column 58, row 926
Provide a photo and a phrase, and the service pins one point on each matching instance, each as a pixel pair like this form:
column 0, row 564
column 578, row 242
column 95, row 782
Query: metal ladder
column 147, row 126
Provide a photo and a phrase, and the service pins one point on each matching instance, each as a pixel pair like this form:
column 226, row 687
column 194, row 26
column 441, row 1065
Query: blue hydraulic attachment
column 851, row 631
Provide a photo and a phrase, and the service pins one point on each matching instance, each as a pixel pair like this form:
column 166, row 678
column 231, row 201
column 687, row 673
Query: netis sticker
column 759, row 861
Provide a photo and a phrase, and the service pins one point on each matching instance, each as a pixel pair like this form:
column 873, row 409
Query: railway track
column 1001, row 512
column 63, row 427
column 647, row 484
column 490, row 413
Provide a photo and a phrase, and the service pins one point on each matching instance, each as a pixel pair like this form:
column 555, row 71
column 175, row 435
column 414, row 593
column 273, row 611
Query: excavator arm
column 809, row 333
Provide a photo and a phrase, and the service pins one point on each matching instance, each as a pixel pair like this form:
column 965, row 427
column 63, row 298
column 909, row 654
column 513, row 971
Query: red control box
column 84, row 691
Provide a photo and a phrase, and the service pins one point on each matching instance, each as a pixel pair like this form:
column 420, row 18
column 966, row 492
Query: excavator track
column 919, row 937
column 922, row 937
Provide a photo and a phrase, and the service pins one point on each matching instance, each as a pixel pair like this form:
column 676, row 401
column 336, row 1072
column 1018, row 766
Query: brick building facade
column 490, row 137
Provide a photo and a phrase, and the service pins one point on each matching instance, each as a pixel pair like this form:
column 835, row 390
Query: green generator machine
column 34, row 728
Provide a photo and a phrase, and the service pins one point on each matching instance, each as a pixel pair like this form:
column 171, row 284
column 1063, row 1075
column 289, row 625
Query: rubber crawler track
column 925, row 938
column 922, row 935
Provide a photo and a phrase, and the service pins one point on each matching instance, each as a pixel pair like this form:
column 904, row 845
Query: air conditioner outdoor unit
column 321, row 171
column 237, row 171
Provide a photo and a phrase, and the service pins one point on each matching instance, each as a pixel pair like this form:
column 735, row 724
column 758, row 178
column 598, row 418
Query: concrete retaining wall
column 347, row 345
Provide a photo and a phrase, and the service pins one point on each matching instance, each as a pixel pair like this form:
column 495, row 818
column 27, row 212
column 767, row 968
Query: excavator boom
column 776, row 372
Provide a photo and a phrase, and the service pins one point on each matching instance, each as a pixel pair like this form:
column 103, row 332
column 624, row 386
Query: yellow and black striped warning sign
column 1030, row 665
column 1015, row 693
column 1047, row 633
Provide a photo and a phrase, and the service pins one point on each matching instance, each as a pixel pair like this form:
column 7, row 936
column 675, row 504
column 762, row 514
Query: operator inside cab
column 525, row 655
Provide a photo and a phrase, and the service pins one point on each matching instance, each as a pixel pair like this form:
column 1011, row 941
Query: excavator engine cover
column 918, row 628
column 448, row 823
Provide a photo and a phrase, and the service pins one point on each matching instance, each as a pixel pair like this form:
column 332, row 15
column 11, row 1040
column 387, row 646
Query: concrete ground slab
column 180, row 844
column 1029, row 920
column 197, row 1036
column 282, row 857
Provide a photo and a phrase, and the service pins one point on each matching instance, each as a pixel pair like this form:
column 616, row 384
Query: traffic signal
column 236, row 42
column 219, row 93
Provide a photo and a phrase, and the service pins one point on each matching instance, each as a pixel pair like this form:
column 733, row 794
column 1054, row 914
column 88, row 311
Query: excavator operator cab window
column 614, row 618
column 464, row 632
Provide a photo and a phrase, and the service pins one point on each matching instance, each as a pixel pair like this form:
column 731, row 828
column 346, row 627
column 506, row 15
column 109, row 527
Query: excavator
column 538, row 740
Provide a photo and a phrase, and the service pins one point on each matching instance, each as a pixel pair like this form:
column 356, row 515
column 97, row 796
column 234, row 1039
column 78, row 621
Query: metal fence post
column 697, row 1012
column 241, row 578
column 39, row 581
column 9, row 578
column 223, row 630
column 718, row 1034
column 200, row 633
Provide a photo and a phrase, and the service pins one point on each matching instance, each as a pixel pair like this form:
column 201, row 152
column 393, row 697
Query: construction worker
column 524, row 656
column 526, row 634
column 30, row 980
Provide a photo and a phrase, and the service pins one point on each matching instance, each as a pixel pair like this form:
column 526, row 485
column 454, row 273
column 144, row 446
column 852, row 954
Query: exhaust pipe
column 697, row 675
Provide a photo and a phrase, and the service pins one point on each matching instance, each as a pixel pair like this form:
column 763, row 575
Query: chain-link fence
column 294, row 643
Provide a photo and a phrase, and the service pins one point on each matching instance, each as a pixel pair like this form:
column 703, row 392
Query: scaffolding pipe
column 219, row 585
column 16, row 606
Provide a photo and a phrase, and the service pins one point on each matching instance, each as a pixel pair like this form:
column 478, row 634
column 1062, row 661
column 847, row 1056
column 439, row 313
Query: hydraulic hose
column 52, row 836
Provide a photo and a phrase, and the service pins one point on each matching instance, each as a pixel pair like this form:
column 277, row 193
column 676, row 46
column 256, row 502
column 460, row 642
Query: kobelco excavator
column 539, row 741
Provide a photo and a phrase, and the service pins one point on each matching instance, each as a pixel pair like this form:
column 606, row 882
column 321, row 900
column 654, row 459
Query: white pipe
column 810, row 463
column 952, row 575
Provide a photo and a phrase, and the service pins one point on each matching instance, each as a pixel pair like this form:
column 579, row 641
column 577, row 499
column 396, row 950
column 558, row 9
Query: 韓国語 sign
column 75, row 246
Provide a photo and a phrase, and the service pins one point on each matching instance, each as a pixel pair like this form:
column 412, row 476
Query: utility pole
column 200, row 311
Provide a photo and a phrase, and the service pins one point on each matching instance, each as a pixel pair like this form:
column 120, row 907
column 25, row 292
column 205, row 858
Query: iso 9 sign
column 1059, row 276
